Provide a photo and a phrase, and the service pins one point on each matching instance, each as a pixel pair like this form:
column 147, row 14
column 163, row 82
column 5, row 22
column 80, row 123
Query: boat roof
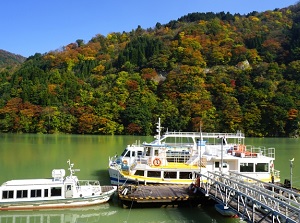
column 26, row 182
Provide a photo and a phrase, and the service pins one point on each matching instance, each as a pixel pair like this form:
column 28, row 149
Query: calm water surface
column 34, row 156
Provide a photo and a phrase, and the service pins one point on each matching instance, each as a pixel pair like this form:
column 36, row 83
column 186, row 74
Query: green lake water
column 34, row 156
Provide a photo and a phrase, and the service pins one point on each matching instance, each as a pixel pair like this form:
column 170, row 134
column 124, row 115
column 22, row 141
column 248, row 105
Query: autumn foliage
column 218, row 72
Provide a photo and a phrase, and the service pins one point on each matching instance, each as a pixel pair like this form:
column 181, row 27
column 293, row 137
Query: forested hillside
column 221, row 71
column 9, row 61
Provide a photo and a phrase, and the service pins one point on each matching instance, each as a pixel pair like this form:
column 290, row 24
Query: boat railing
column 252, row 151
column 87, row 185
column 137, row 143
column 92, row 183
column 262, row 150
column 203, row 135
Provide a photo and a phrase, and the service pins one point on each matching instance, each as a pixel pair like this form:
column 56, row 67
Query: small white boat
column 56, row 192
column 175, row 157
column 225, row 210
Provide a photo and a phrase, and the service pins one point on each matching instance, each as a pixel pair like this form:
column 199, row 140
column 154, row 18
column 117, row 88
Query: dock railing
column 255, row 201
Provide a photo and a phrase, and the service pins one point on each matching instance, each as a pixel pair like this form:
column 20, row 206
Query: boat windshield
column 124, row 152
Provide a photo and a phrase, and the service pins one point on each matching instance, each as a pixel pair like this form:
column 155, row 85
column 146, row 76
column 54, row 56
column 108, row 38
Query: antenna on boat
column 72, row 171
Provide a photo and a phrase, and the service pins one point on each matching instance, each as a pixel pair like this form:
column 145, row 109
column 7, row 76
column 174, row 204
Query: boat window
column 246, row 167
column 22, row 193
column 154, row 174
column 217, row 164
column 139, row 173
column 55, row 191
column 147, row 151
column 261, row 167
column 140, row 153
column 156, row 152
column 36, row 193
column 124, row 152
column 171, row 175
column 7, row 194
column 46, row 193
column 185, row 175
column 133, row 154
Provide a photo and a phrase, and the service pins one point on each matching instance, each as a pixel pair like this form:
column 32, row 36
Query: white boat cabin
column 57, row 187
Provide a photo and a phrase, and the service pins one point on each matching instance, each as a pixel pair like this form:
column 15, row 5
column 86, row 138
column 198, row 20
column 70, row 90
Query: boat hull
column 60, row 203
column 118, row 178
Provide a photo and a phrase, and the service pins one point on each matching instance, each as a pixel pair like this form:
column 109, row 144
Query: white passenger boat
column 56, row 192
column 175, row 157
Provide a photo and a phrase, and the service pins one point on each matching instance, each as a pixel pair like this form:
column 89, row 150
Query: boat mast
column 158, row 130
column 72, row 171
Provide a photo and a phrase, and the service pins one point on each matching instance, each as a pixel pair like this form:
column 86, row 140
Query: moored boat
column 56, row 192
column 175, row 157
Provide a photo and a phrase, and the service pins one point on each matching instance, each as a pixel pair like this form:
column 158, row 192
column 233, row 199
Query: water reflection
column 100, row 213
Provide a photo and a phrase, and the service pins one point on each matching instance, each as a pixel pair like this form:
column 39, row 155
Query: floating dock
column 157, row 195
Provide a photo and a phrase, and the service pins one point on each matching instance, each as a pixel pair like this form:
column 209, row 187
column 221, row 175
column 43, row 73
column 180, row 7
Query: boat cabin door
column 69, row 190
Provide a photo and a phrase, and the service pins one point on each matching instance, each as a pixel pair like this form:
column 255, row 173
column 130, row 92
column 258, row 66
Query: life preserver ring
column 156, row 162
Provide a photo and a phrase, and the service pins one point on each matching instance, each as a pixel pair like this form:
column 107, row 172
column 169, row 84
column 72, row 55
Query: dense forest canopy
column 222, row 72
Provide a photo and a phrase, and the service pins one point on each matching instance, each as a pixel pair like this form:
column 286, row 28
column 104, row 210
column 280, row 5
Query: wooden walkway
column 157, row 195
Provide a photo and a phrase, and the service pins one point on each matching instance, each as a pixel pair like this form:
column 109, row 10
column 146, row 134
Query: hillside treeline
column 222, row 72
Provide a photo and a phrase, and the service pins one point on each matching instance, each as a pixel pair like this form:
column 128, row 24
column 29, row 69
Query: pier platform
column 157, row 195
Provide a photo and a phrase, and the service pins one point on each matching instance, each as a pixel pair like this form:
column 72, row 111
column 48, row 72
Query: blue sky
column 39, row 26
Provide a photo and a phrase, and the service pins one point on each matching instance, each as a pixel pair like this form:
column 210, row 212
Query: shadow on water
column 102, row 176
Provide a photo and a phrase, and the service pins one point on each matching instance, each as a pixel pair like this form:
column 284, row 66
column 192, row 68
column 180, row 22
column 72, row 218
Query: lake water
column 34, row 156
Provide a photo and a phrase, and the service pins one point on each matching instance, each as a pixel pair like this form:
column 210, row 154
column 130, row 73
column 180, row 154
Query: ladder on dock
column 251, row 199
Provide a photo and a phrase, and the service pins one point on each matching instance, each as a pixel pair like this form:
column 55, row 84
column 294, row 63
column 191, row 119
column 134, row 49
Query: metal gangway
column 251, row 199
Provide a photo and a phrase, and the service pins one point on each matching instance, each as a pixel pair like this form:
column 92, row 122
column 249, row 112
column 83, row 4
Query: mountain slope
column 9, row 60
